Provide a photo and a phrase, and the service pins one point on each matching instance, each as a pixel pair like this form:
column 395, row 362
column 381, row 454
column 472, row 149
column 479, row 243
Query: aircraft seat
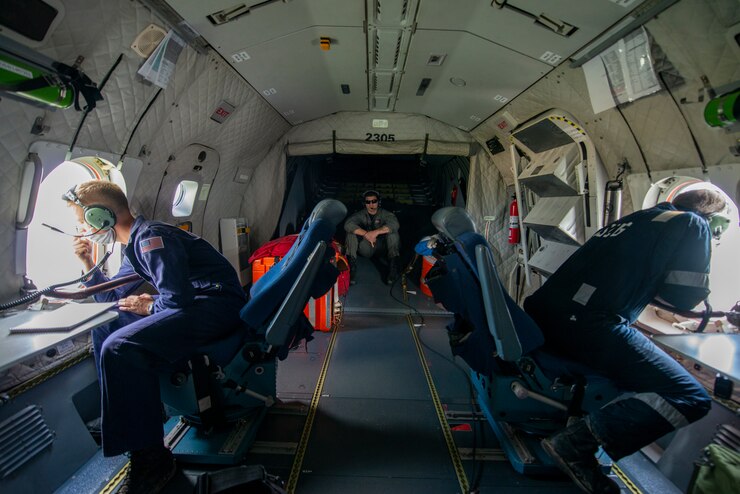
column 520, row 385
column 235, row 376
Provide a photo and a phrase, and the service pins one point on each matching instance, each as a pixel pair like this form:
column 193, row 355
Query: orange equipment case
column 426, row 264
column 320, row 312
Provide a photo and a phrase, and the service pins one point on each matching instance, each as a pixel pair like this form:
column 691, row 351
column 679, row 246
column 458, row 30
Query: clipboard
column 62, row 319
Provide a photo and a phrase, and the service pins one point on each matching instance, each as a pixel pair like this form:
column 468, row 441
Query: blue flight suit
column 586, row 308
column 118, row 293
column 198, row 302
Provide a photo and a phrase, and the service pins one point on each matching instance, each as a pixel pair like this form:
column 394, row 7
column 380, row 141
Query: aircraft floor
column 376, row 428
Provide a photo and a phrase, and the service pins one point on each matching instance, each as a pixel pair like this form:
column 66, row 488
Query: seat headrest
column 330, row 210
column 453, row 221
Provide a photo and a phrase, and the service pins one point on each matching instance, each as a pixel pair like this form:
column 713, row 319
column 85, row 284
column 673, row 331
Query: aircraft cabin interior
column 325, row 240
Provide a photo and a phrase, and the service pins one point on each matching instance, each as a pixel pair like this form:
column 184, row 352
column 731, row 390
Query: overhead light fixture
column 458, row 81
column 325, row 43
column 423, row 85
column 436, row 59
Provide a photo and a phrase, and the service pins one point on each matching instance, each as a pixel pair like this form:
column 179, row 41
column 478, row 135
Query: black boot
column 392, row 270
column 573, row 450
column 149, row 471
column 352, row 270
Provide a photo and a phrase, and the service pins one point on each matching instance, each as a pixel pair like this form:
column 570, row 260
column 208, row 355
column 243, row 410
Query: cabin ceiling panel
column 471, row 83
column 519, row 32
column 268, row 22
column 302, row 81
column 275, row 47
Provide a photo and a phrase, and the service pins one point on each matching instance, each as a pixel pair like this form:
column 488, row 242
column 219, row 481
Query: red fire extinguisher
column 514, row 232
column 453, row 195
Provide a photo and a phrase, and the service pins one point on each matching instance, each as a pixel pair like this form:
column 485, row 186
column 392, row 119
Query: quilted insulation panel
column 487, row 197
column 109, row 28
column 168, row 120
column 654, row 132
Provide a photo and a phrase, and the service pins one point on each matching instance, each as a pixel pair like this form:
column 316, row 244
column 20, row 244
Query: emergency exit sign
column 223, row 111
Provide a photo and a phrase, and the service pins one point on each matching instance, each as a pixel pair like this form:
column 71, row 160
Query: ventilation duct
column 23, row 436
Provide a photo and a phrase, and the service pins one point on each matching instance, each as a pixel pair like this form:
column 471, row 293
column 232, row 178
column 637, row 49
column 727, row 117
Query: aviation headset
column 96, row 215
column 718, row 223
column 371, row 192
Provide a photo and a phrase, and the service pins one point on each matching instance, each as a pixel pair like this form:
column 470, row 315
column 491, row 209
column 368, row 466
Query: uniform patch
column 151, row 244
column 666, row 216
column 583, row 295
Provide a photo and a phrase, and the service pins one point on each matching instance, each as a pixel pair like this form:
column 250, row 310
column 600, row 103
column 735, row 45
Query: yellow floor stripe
column 113, row 483
column 301, row 450
column 627, row 481
column 454, row 453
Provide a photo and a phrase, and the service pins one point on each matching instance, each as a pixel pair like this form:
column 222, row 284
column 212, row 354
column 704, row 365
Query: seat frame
column 525, row 392
column 219, row 396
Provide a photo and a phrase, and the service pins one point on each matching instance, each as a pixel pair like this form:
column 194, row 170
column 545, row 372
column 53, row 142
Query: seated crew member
column 371, row 232
column 199, row 298
column 585, row 311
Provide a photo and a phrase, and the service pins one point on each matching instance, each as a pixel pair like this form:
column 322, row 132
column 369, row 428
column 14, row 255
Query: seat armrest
column 292, row 307
column 500, row 324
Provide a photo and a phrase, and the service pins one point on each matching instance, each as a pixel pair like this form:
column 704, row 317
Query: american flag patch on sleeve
column 151, row 244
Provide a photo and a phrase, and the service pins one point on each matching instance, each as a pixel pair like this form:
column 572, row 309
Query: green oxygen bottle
column 723, row 110
column 46, row 87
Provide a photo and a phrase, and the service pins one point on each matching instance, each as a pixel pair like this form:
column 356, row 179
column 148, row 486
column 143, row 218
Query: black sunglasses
column 371, row 201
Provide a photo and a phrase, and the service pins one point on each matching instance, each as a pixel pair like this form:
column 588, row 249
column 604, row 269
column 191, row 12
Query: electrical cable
column 629, row 127
column 688, row 127
column 477, row 466
column 55, row 229
column 32, row 297
column 89, row 108
column 138, row 122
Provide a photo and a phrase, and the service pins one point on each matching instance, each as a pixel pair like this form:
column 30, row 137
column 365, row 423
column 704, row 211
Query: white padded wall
column 109, row 28
column 100, row 31
column 487, row 197
column 695, row 48
column 181, row 116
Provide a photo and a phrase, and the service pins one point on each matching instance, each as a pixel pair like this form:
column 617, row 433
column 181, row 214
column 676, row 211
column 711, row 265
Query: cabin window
column 184, row 200
column 724, row 269
column 49, row 255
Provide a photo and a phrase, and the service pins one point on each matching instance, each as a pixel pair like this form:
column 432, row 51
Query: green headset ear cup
column 99, row 217
column 719, row 223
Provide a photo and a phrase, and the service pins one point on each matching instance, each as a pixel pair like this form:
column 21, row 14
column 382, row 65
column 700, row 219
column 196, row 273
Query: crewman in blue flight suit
column 198, row 301
column 585, row 311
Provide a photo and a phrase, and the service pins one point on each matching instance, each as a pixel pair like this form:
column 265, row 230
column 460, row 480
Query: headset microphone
column 69, row 234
